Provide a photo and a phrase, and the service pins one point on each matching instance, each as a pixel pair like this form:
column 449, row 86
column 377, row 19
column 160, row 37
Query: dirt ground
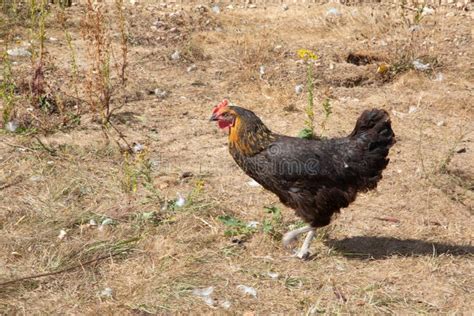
column 71, row 199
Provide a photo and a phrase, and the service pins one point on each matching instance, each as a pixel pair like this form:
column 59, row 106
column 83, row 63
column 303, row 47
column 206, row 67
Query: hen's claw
column 291, row 236
column 303, row 254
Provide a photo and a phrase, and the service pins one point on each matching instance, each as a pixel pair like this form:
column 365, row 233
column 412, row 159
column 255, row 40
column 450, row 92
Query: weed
column 72, row 52
column 308, row 56
column 236, row 227
column 272, row 225
column 7, row 90
column 136, row 169
column 99, row 84
column 327, row 110
column 293, row 282
column 121, row 69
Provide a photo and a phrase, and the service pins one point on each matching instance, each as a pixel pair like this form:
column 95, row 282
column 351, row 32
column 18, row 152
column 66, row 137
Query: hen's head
column 243, row 126
column 224, row 114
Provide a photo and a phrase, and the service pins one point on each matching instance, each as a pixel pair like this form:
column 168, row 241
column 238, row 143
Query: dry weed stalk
column 99, row 82
column 123, row 42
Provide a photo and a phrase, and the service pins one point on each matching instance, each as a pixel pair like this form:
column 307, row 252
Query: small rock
column 439, row 77
column 230, row 7
column 62, row 234
column 216, row 9
column 450, row 14
column 176, row 55
column 261, row 71
column 161, row 93
column 247, row 290
column 420, row 66
column 225, row 304
column 252, row 6
column 19, row 52
column 191, row 68
column 92, row 222
column 427, row 11
column 11, row 126
column 285, row 7
column 333, row 12
column 461, row 150
column 412, row 109
column 137, row 147
column 53, row 39
column 36, row 178
column 252, row 224
column 273, row 275
column 107, row 293
column 441, row 123
column 180, row 201
column 299, row 89
column 107, row 221
column 205, row 294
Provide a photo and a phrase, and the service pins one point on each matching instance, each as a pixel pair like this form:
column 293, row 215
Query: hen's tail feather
column 374, row 136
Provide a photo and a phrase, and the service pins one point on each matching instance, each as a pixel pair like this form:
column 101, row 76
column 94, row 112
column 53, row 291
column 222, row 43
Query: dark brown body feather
column 314, row 177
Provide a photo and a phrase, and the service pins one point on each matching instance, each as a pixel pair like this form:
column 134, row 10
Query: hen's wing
column 312, row 177
column 311, row 163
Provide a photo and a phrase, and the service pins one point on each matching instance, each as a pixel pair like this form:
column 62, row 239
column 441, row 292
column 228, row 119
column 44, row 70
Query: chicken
column 315, row 177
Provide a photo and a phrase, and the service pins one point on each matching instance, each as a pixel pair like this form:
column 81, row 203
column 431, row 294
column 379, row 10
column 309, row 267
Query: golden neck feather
column 249, row 140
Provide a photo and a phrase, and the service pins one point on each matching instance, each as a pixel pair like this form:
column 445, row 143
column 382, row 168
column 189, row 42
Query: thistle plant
column 308, row 57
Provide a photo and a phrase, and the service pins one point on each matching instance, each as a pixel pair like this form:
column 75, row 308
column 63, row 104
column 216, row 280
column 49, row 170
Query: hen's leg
column 290, row 236
column 304, row 253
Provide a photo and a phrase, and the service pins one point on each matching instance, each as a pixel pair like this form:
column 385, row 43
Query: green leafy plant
column 308, row 131
column 327, row 110
column 235, row 226
column 308, row 57
column 270, row 226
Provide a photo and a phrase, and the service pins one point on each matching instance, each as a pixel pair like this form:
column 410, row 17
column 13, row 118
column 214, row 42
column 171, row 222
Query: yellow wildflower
column 306, row 54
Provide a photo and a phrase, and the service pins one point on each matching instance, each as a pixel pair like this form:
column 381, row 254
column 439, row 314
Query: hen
column 316, row 177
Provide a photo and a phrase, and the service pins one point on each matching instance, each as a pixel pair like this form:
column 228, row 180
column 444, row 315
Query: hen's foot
column 291, row 236
column 304, row 253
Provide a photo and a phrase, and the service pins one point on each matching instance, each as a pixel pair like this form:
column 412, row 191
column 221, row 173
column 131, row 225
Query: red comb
column 221, row 105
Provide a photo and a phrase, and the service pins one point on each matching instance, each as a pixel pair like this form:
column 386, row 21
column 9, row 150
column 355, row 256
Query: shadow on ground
column 383, row 247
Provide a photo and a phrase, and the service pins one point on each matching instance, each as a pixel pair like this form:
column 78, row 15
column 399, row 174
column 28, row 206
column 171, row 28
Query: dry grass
column 405, row 248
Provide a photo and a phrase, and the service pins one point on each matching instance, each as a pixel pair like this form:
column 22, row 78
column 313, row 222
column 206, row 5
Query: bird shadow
column 374, row 247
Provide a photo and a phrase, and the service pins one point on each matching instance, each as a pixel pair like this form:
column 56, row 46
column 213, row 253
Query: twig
column 36, row 276
column 409, row 8
column 49, row 150
column 121, row 136
column 14, row 182
column 18, row 146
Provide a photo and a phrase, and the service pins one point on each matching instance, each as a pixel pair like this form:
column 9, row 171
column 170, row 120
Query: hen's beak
column 213, row 117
